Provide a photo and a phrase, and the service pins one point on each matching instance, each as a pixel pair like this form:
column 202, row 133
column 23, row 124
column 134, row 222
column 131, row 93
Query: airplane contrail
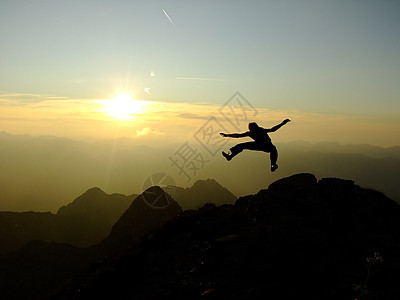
column 165, row 13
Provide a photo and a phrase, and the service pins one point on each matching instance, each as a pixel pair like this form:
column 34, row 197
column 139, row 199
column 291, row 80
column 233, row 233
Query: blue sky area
column 340, row 56
column 319, row 57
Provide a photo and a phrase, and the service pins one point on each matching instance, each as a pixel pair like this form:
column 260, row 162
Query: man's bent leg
column 273, row 155
column 235, row 150
column 274, row 158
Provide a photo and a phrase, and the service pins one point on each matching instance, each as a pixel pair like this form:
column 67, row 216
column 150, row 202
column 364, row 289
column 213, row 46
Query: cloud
column 147, row 131
column 25, row 99
column 47, row 114
column 197, row 117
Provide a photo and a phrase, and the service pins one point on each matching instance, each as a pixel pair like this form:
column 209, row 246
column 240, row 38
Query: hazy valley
column 299, row 238
column 116, row 225
column 44, row 173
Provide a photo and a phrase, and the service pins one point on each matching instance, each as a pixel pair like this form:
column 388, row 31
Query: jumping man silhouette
column 262, row 142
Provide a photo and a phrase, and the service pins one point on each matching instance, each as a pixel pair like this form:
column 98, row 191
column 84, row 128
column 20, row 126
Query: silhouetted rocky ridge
column 40, row 267
column 88, row 219
column 153, row 207
column 298, row 239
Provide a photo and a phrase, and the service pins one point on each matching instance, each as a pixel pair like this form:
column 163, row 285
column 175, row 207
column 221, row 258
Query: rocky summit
column 299, row 239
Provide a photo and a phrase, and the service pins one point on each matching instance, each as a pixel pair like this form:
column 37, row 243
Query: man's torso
column 260, row 136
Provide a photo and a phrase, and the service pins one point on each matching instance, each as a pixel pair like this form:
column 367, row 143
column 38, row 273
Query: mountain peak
column 94, row 191
column 208, row 181
column 156, row 197
column 203, row 192
column 150, row 209
column 84, row 201
column 316, row 237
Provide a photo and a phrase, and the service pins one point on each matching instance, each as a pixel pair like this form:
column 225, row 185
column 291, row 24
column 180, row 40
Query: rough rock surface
column 298, row 239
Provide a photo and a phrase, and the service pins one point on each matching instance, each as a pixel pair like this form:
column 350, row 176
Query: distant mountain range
column 202, row 192
column 299, row 239
column 88, row 219
column 39, row 267
column 44, row 173
column 334, row 147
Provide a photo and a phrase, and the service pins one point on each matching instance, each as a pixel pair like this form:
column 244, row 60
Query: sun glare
column 122, row 107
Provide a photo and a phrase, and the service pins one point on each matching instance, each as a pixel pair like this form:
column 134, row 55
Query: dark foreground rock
column 39, row 267
column 299, row 239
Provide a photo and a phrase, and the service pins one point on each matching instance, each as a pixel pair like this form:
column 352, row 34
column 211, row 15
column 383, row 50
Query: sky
column 333, row 67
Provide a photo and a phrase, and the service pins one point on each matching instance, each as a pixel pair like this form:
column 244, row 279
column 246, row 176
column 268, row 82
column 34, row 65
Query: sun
column 122, row 107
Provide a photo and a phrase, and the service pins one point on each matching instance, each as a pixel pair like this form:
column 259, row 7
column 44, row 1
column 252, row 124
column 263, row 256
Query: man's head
column 253, row 126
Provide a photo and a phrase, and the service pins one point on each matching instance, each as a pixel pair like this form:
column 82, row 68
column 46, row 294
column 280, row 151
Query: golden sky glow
column 167, row 122
column 333, row 69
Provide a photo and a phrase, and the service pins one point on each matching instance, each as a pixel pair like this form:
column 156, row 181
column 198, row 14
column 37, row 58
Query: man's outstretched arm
column 235, row 135
column 276, row 127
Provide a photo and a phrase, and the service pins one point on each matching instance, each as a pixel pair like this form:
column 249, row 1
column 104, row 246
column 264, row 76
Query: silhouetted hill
column 44, row 173
column 98, row 212
column 17, row 229
column 39, row 267
column 202, row 192
column 93, row 200
column 145, row 214
column 377, row 173
column 84, row 222
column 298, row 239
column 88, row 219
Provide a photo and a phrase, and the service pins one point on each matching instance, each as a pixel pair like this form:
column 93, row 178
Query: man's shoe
column 226, row 155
